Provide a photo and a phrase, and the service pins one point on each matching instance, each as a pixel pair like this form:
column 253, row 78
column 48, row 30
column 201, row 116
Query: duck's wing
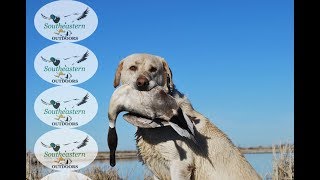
column 44, row 145
column 83, row 143
column 144, row 122
column 45, row 102
column 45, row 17
column 71, row 143
column 84, row 14
column 70, row 100
column 83, row 100
column 84, row 57
column 44, row 59
column 183, row 125
column 71, row 14
column 70, row 57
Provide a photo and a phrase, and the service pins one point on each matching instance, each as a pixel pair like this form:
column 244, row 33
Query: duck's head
column 52, row 145
column 55, row 61
column 52, row 102
column 52, row 16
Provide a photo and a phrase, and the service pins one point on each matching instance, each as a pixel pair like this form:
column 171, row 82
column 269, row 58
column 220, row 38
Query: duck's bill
column 143, row 122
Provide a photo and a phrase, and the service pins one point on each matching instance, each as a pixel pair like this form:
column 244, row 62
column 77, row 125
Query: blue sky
column 233, row 59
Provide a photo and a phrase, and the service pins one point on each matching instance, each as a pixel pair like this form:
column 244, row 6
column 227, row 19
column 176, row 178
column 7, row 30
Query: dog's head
column 143, row 72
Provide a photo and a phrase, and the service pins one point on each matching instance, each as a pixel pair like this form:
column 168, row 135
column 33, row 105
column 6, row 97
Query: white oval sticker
column 67, row 175
column 65, row 21
column 66, row 106
column 65, row 64
column 65, row 149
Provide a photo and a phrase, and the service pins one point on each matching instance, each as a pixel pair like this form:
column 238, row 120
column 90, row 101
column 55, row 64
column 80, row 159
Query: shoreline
column 132, row 154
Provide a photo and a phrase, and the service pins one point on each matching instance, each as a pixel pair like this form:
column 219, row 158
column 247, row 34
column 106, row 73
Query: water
column 127, row 169
column 262, row 163
column 133, row 169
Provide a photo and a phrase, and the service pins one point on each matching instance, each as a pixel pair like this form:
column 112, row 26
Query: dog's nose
column 142, row 82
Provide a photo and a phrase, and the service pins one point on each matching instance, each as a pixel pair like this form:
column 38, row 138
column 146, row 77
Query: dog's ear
column 167, row 76
column 117, row 76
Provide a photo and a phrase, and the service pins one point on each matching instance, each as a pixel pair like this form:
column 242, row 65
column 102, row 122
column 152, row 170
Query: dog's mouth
column 143, row 122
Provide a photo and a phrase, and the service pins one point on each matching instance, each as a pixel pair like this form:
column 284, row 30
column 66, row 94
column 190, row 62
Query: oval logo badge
column 66, row 21
column 66, row 64
column 70, row 175
column 66, row 106
column 65, row 149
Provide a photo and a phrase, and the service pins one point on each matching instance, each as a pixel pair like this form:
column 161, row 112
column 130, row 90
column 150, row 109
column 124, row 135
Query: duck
column 83, row 58
column 82, row 101
column 78, row 18
column 68, row 76
column 55, row 104
column 79, row 144
column 54, row 146
column 54, row 60
column 55, row 18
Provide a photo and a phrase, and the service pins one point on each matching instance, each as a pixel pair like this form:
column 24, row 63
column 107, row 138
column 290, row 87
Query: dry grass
column 33, row 168
column 283, row 163
column 36, row 171
column 283, row 168
column 97, row 173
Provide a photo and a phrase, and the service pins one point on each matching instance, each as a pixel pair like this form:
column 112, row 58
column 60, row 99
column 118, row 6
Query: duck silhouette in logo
column 56, row 104
column 55, row 61
column 72, row 145
column 83, row 101
column 78, row 144
column 78, row 16
column 83, row 58
column 68, row 76
column 55, row 18
column 54, row 146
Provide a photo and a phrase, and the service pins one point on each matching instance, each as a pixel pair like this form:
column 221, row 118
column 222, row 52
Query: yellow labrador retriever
column 169, row 155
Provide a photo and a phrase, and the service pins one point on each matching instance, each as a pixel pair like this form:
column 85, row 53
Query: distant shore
column 132, row 154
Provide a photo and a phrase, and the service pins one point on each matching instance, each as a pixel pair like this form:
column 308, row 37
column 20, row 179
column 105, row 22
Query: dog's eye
column 153, row 69
column 133, row 68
